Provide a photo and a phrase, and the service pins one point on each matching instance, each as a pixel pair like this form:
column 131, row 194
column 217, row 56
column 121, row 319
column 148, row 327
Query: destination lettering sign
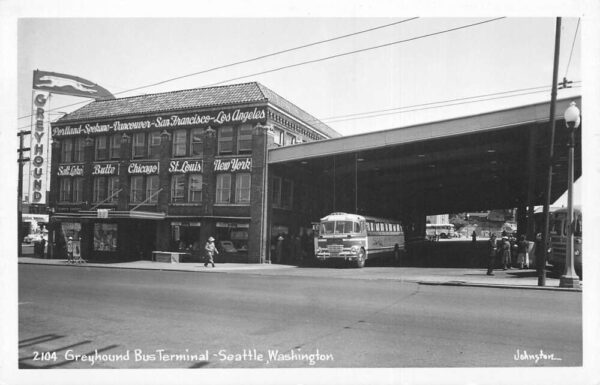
column 70, row 170
column 213, row 118
column 105, row 169
column 185, row 166
column 233, row 164
column 138, row 168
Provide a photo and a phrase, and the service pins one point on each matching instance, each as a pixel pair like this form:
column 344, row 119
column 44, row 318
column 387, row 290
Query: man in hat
column 210, row 252
column 70, row 250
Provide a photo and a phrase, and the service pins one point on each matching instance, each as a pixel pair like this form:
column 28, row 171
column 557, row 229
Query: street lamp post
column 570, row 278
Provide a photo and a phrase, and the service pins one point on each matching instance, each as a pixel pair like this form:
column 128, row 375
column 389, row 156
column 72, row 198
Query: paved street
column 128, row 318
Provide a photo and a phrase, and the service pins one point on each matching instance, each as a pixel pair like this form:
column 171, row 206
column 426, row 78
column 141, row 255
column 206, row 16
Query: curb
column 497, row 286
column 250, row 271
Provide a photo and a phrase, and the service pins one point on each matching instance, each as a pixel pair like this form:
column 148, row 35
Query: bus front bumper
column 347, row 256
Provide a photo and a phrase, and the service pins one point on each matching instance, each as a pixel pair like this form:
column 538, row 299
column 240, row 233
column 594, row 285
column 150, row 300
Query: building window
column 196, row 146
column 225, row 140
column 65, row 190
column 78, row 189
column 66, row 153
column 113, row 187
column 277, row 139
column 179, row 142
column 79, row 150
column 195, row 188
column 242, row 188
column 178, row 188
column 152, row 188
column 137, row 189
column 115, row 146
column 100, row 188
column 223, row 188
column 276, row 202
column 289, row 139
column 287, row 192
column 154, row 144
column 101, row 148
column 139, row 145
column 245, row 138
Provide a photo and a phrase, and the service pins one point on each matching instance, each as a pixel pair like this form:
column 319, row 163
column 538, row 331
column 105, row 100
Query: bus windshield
column 339, row 227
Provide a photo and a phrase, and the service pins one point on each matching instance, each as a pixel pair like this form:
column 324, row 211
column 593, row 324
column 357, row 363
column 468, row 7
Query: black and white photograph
column 300, row 193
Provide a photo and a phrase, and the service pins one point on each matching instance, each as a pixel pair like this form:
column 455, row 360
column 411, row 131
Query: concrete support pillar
column 531, row 161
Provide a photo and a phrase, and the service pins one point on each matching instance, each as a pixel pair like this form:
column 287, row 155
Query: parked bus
column 355, row 238
column 558, row 239
column 433, row 232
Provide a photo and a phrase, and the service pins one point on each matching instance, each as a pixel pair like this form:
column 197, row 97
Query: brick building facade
column 163, row 172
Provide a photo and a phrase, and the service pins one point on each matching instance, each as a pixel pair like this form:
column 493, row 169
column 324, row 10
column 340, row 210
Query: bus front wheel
column 360, row 259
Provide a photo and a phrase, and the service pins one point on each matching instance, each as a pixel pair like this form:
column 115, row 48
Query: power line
column 346, row 53
column 572, row 47
column 357, row 51
column 431, row 105
column 440, row 106
column 252, row 59
column 438, row 102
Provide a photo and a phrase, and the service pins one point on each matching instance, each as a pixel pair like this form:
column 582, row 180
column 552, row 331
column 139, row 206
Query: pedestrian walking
column 506, row 256
column 211, row 249
column 522, row 253
column 474, row 236
column 70, row 250
column 493, row 248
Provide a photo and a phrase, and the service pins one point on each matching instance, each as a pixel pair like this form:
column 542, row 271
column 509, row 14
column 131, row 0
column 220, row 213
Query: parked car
column 34, row 238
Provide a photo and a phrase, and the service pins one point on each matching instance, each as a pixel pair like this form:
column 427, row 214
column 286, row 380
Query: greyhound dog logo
column 57, row 82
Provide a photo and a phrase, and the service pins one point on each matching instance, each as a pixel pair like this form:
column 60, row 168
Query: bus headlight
column 354, row 249
column 577, row 252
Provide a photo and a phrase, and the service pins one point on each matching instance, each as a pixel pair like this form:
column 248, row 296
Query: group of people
column 506, row 247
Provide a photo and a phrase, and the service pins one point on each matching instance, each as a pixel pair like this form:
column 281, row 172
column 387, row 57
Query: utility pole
column 541, row 265
column 21, row 160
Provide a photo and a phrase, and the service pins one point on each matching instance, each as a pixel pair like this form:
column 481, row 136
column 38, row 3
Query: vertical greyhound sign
column 40, row 147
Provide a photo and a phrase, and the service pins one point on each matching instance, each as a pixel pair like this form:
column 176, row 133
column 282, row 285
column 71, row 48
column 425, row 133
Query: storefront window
column 185, row 236
column 179, row 142
column 154, row 144
column 69, row 229
column 223, row 188
column 177, row 188
column 113, row 187
column 245, row 138
column 152, row 188
column 78, row 189
column 115, row 146
column 101, row 148
column 139, row 145
column 105, row 237
column 66, row 153
column 242, row 188
column 65, row 190
column 196, row 145
column 78, row 150
column 100, row 188
column 195, row 188
column 225, row 140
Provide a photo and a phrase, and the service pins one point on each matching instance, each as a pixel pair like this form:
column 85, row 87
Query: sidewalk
column 513, row 278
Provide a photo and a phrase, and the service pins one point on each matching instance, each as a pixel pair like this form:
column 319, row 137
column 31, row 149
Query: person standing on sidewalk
column 522, row 256
column 70, row 250
column 211, row 249
column 492, row 254
column 506, row 258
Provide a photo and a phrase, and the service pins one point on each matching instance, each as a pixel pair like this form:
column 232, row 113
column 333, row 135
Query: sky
column 120, row 54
